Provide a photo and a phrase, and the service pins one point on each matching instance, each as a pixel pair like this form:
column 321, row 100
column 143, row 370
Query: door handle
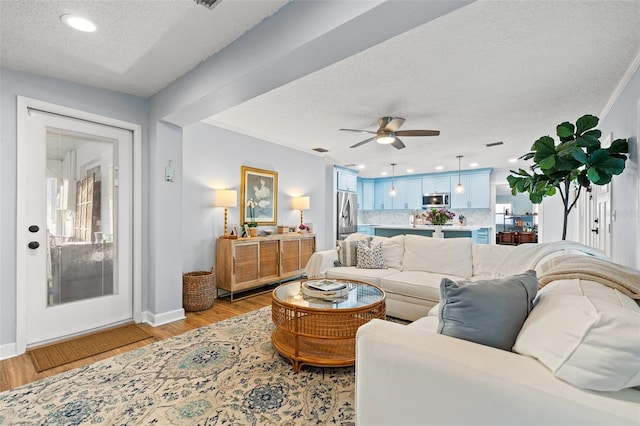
column 595, row 230
column 34, row 245
column 34, row 228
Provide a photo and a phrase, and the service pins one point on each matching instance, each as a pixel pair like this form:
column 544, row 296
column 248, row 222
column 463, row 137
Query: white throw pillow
column 392, row 250
column 449, row 256
column 586, row 341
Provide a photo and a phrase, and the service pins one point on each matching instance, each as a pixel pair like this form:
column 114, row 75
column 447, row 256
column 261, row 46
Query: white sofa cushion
column 579, row 287
column 451, row 256
column 584, row 339
column 371, row 276
column 486, row 258
column 427, row 323
column 418, row 284
column 392, row 250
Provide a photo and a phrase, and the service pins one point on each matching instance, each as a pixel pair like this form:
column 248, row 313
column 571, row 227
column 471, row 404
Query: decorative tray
column 325, row 289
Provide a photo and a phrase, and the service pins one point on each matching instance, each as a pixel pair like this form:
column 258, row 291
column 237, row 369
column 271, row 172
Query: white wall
column 212, row 158
column 98, row 101
column 623, row 121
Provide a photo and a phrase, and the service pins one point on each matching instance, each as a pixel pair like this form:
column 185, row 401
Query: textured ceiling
column 140, row 46
column 491, row 71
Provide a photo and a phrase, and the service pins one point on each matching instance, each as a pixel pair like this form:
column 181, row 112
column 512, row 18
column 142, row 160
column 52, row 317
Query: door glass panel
column 80, row 219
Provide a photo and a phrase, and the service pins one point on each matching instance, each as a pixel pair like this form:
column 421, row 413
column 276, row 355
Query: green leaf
column 593, row 175
column 566, row 148
column 565, row 130
column 619, row 146
column 544, row 145
column 588, row 143
column 598, row 156
column 548, row 162
column 593, row 136
column 579, row 155
column 585, row 123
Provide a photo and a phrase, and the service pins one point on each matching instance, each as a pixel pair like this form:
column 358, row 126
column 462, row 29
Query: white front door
column 77, row 241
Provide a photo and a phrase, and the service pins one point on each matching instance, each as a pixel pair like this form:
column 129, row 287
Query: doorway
column 77, row 252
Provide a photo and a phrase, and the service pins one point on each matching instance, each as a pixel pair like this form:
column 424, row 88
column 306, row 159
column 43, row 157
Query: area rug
column 83, row 347
column 223, row 374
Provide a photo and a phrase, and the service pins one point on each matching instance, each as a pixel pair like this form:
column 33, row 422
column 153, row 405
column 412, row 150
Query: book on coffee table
column 326, row 285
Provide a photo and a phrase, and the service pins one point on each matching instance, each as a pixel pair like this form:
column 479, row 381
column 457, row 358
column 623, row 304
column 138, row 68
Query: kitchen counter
column 480, row 234
column 445, row 228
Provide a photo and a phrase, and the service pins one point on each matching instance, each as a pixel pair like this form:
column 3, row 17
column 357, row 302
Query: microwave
column 435, row 200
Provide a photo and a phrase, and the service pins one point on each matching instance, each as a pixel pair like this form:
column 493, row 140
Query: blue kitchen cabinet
column 413, row 199
column 367, row 194
column 477, row 190
column 347, row 181
column 382, row 198
column 482, row 236
column 439, row 183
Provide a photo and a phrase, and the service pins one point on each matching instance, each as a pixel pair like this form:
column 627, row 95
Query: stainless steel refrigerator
column 347, row 214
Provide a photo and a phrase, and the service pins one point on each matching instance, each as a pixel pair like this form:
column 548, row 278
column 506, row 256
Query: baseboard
column 164, row 318
column 8, row 351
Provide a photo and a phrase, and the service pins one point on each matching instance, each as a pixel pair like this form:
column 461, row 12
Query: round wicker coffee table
column 322, row 332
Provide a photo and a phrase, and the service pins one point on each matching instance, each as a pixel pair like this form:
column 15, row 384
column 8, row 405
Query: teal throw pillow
column 488, row 312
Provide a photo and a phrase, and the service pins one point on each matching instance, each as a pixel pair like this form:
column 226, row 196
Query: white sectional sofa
column 415, row 266
column 580, row 335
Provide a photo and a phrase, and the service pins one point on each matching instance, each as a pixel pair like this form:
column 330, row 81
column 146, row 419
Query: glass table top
column 359, row 294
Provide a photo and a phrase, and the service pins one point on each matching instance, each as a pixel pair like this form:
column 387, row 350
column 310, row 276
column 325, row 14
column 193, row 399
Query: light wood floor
column 19, row 370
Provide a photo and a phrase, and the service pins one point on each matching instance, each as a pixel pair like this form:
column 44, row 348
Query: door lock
column 34, row 228
column 34, row 245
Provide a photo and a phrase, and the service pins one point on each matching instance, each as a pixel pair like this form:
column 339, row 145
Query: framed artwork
column 258, row 196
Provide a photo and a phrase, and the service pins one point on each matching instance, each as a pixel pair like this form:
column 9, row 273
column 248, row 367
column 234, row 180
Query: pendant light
column 393, row 174
column 459, row 189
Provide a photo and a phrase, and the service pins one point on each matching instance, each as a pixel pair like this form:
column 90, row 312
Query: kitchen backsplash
column 475, row 217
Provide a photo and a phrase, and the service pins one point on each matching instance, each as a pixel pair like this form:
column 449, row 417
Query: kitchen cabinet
column 382, row 198
column 347, row 181
column 440, row 183
column 367, row 194
column 247, row 263
column 408, row 194
column 476, row 195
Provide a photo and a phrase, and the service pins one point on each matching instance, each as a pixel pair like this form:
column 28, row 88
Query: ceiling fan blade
column 394, row 124
column 357, row 130
column 418, row 132
column 363, row 142
column 398, row 144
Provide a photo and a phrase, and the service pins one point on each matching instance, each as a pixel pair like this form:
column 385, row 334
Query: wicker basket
column 198, row 290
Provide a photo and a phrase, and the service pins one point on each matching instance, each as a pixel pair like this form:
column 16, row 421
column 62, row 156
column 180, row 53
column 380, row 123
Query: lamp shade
column 226, row 198
column 300, row 203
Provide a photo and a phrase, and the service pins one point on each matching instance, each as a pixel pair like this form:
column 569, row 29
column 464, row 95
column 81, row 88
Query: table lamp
column 226, row 198
column 300, row 203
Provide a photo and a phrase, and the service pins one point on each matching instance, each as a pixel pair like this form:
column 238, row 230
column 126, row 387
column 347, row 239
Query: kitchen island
column 478, row 233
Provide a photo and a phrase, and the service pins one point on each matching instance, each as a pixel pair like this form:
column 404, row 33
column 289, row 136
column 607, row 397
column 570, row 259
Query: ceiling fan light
column 386, row 137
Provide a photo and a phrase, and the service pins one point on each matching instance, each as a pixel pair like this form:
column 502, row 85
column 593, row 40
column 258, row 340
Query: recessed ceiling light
column 78, row 23
column 439, row 167
column 473, row 165
column 361, row 166
column 513, row 160
column 409, row 170
column 383, row 173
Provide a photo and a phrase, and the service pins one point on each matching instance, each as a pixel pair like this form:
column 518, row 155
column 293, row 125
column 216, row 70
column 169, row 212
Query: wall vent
column 320, row 150
column 494, row 144
column 209, row 4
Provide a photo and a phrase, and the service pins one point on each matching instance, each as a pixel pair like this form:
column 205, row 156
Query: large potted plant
column 570, row 166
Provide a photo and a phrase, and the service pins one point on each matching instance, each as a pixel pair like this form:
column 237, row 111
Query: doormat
column 61, row 353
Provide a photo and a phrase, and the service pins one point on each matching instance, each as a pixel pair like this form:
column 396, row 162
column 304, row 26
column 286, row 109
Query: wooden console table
column 248, row 263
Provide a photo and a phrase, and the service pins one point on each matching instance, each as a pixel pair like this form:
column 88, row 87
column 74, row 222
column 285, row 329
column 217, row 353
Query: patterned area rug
column 223, row 374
